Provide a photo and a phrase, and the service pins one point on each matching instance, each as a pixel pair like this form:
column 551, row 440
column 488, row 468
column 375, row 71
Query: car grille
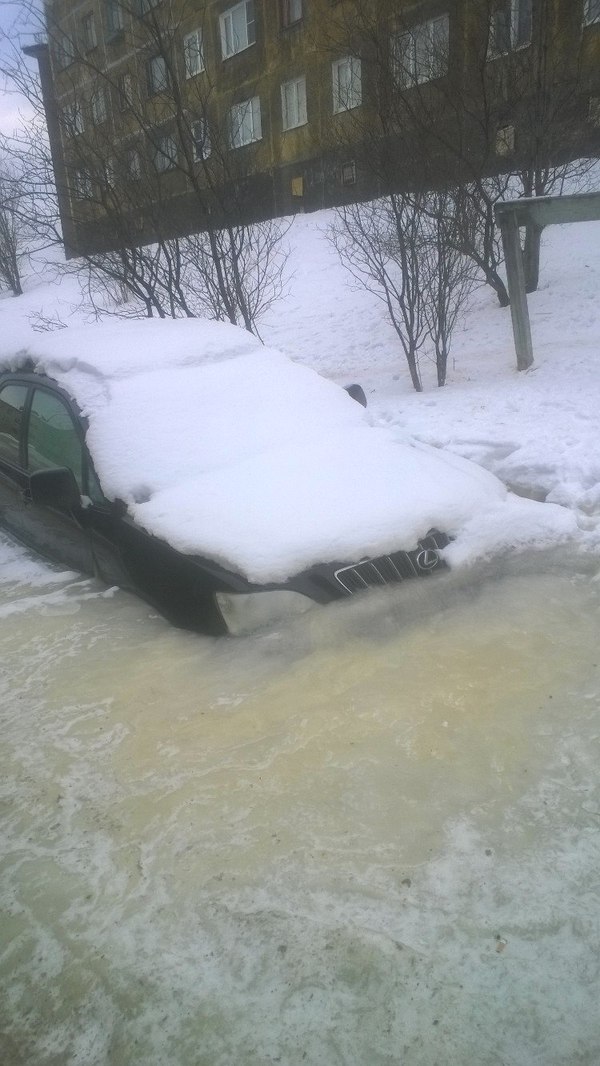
column 394, row 568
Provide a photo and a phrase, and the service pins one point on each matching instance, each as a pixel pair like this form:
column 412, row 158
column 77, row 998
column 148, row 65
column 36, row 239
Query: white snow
column 270, row 468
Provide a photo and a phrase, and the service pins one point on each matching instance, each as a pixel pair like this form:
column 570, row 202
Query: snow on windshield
column 230, row 450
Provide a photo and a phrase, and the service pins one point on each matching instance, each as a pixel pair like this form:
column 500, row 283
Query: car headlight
column 243, row 612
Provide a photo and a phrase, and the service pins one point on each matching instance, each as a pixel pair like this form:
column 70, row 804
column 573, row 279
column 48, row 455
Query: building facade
column 165, row 114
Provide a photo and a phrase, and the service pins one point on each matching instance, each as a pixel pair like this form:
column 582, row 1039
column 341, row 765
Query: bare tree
column 150, row 152
column 26, row 150
column 488, row 104
column 403, row 248
column 531, row 68
column 12, row 230
column 421, row 124
column 252, row 276
column 379, row 242
column 449, row 274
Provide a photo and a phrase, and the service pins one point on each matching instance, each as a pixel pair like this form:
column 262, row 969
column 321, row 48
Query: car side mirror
column 55, row 488
column 357, row 393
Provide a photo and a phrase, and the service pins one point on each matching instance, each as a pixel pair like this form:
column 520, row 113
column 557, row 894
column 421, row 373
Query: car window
column 94, row 491
column 53, row 438
column 12, row 402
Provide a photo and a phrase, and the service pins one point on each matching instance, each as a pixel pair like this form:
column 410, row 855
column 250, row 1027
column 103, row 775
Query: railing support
column 515, row 272
column 538, row 211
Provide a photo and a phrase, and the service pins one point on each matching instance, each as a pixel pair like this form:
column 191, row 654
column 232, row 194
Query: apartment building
column 162, row 113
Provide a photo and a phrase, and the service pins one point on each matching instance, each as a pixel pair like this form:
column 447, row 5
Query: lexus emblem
column 427, row 559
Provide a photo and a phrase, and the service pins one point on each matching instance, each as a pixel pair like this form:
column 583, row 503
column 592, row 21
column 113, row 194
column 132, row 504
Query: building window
column 125, row 91
column 114, row 17
column 422, row 54
column 88, row 32
column 591, row 11
column 499, row 39
column 291, row 12
column 146, row 5
column 510, row 26
column 193, row 53
column 347, row 87
column 238, row 28
column 521, row 22
column 594, row 110
column 110, row 174
column 245, row 123
column 349, row 174
column 293, row 103
column 158, row 76
column 165, row 153
column 133, row 164
column 99, row 107
column 73, row 119
column 505, row 140
column 82, row 185
column 200, row 140
column 64, row 50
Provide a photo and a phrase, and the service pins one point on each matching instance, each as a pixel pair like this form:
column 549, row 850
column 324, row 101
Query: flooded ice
column 369, row 838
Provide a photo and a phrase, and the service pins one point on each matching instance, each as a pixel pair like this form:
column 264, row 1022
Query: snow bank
column 230, row 450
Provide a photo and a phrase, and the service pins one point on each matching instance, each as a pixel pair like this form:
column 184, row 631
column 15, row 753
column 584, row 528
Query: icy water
column 372, row 838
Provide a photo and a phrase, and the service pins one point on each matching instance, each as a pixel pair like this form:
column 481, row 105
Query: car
column 220, row 481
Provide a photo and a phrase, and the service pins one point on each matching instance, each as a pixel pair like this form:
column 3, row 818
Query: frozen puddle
column 373, row 839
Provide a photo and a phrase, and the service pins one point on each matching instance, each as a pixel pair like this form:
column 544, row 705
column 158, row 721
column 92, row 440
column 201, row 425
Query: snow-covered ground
column 537, row 431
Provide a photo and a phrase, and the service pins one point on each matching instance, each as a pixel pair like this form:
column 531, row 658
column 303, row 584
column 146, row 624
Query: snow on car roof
column 230, row 450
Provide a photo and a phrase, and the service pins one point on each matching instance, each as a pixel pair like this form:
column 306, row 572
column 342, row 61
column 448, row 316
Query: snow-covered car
column 217, row 478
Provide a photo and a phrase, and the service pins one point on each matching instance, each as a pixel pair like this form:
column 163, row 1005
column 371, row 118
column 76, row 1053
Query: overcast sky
column 18, row 23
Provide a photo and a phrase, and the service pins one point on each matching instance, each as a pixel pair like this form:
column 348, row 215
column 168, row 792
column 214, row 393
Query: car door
column 53, row 438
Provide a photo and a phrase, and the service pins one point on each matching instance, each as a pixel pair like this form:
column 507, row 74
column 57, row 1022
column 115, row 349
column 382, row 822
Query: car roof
column 117, row 348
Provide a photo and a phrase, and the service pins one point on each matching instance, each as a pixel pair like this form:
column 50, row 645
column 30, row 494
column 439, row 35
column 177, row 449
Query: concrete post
column 515, row 272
